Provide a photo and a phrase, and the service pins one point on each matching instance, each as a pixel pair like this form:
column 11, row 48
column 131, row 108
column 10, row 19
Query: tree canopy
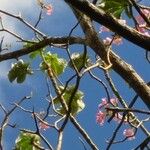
column 77, row 68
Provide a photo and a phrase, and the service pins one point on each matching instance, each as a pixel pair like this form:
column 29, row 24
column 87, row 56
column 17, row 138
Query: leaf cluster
column 26, row 141
column 57, row 64
column 19, row 71
column 77, row 104
column 115, row 7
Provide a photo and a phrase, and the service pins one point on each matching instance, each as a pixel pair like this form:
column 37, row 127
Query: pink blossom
column 114, row 101
column 139, row 19
column 103, row 29
column 129, row 133
column 49, row 9
column 43, row 125
column 142, row 30
column 118, row 117
column 107, row 41
column 117, row 40
column 100, row 117
column 103, row 103
column 142, row 24
column 146, row 12
column 122, row 21
column 147, row 34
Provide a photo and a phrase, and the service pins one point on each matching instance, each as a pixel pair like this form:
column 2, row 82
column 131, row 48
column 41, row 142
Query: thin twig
column 18, row 17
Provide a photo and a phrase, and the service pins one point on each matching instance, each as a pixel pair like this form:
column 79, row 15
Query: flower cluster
column 129, row 133
column 103, row 113
column 142, row 26
column 47, row 7
column 43, row 125
column 117, row 40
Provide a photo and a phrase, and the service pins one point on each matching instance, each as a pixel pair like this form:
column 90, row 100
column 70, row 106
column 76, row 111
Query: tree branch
column 41, row 44
column 110, row 22
column 125, row 70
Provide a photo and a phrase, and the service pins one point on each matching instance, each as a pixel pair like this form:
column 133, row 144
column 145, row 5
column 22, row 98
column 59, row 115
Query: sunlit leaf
column 33, row 54
column 26, row 141
column 114, row 7
column 77, row 104
column 19, row 71
column 57, row 64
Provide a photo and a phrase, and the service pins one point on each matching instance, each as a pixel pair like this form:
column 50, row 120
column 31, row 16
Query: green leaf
column 12, row 75
column 79, row 60
column 19, row 71
column 114, row 7
column 33, row 54
column 77, row 104
column 21, row 78
column 57, row 65
column 26, row 141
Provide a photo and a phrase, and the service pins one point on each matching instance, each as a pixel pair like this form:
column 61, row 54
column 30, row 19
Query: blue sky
column 59, row 24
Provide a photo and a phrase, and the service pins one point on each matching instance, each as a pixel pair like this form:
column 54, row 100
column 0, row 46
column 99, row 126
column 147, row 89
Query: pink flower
column 107, row 41
column 49, row 9
column 117, row 40
column 129, row 133
column 118, row 117
column 100, row 117
column 139, row 19
column 146, row 12
column 114, row 101
column 142, row 30
column 103, row 29
column 121, row 21
column 43, row 125
column 103, row 103
column 147, row 34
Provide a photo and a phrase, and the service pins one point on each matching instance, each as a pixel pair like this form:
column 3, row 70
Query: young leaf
column 114, row 7
column 34, row 54
column 57, row 64
column 19, row 71
column 77, row 104
column 27, row 141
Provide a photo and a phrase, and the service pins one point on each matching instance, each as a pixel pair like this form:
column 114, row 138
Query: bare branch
column 128, row 110
column 107, row 20
column 18, row 17
column 41, row 44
